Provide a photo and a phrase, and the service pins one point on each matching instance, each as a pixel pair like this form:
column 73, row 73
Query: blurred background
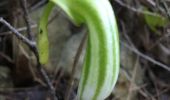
column 144, row 42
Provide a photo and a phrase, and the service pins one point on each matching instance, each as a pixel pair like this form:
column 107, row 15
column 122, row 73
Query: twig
column 127, row 6
column 166, row 8
column 159, row 40
column 18, row 29
column 139, row 88
column 162, row 92
column 126, row 35
column 23, row 4
column 154, row 82
column 29, row 43
column 54, row 17
column 136, row 10
column 135, row 50
column 151, row 2
column 39, row 4
column 77, row 56
column 132, row 81
column 47, row 81
column 59, row 75
column 146, row 57
column 32, row 46
column 6, row 58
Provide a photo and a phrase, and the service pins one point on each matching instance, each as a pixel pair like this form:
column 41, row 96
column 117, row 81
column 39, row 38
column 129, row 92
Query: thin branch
column 32, row 46
column 132, row 81
column 126, row 35
column 21, row 37
column 146, row 57
column 47, row 81
column 136, row 10
column 127, row 6
column 159, row 40
column 54, row 17
column 18, row 29
column 6, row 58
column 27, row 19
column 129, row 77
column 77, row 56
column 42, row 71
column 135, row 50
column 39, row 4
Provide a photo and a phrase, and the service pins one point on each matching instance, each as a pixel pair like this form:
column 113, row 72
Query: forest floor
column 144, row 42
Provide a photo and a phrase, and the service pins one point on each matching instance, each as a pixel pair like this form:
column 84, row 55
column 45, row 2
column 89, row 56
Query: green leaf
column 155, row 20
